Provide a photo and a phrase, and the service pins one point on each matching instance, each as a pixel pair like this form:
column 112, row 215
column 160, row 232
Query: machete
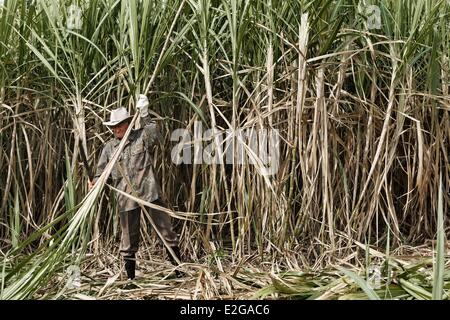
column 86, row 164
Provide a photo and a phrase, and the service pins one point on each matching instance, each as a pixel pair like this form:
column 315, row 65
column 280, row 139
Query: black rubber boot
column 130, row 267
column 175, row 250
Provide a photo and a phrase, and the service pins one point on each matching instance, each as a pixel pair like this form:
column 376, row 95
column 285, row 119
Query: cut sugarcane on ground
column 406, row 274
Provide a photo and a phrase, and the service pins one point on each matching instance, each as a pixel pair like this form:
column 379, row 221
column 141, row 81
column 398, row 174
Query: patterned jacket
column 136, row 163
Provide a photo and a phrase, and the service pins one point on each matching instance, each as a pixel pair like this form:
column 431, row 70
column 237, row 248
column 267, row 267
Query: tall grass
column 363, row 116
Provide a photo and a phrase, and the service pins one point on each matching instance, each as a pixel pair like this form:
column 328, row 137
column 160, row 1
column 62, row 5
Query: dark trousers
column 130, row 226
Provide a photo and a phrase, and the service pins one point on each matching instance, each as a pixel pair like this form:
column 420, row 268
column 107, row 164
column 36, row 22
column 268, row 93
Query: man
column 133, row 173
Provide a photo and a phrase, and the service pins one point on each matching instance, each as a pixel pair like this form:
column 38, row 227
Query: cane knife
column 86, row 164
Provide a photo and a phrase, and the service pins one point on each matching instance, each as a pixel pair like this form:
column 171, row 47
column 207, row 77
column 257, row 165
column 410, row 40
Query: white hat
column 117, row 116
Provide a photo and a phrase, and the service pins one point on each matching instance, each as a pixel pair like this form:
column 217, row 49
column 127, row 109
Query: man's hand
column 90, row 184
column 142, row 105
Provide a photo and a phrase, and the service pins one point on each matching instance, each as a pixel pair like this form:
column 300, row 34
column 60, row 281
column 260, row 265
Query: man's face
column 120, row 129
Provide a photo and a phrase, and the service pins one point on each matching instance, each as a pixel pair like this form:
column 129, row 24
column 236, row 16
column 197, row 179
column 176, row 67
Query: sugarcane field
column 228, row 150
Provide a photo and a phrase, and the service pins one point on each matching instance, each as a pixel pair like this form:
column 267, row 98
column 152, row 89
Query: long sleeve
column 151, row 131
column 102, row 162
